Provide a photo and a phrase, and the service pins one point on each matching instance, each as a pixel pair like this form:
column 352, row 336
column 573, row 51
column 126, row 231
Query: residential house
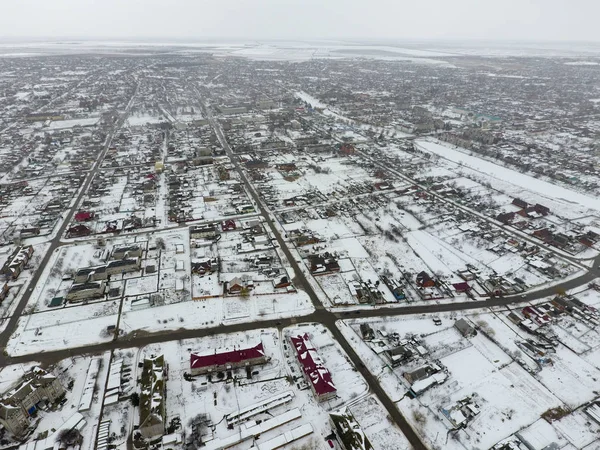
column 323, row 264
column 560, row 240
column 240, row 284
column 262, row 261
column 265, row 103
column 29, row 232
column 469, row 274
column 85, row 291
column 592, row 236
column 543, row 234
column 90, row 274
column 465, row 328
column 367, row 332
column 505, row 218
column 251, row 223
column 460, row 412
column 281, row 283
column 398, row 355
column 37, row 386
column 128, row 251
column 395, row 287
column 228, row 225
column 462, row 287
column 226, row 359
column 302, row 240
column 78, row 231
column 541, row 209
column 122, row 266
column 207, row 266
column 16, row 262
column 424, row 377
column 13, row 418
column 383, row 186
column 256, row 164
column 84, row 216
column 111, row 226
column 584, row 240
column 520, row 203
column 132, row 223
column 245, row 209
column 204, row 231
column 347, row 149
column 424, row 280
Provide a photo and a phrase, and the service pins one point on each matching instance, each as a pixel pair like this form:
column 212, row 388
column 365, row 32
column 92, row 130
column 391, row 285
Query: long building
column 226, row 359
column 80, row 292
column 315, row 372
column 152, row 399
column 128, row 251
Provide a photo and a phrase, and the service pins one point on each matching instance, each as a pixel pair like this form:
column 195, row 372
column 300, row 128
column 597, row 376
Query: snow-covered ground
column 512, row 182
column 72, row 374
column 486, row 368
column 216, row 397
column 70, row 123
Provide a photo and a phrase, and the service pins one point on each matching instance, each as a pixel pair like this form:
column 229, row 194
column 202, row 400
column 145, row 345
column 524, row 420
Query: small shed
column 465, row 328
column 56, row 302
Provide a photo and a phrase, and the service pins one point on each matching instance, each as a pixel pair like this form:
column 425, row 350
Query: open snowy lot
column 214, row 397
column 488, row 369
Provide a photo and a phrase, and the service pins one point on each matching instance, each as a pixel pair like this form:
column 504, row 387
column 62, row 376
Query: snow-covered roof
column 221, row 357
column 312, row 365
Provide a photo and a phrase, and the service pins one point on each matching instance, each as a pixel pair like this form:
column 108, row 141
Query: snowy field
column 217, row 397
column 70, row 123
column 484, row 367
column 513, row 182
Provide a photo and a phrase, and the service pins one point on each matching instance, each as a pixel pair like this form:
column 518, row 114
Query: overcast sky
column 556, row 20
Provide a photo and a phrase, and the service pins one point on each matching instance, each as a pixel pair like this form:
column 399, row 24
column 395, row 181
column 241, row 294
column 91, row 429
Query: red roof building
column 461, row 287
column 78, row 231
column 226, row 359
column 315, row 372
column 228, row 225
column 84, row 216
column 347, row 149
column 424, row 280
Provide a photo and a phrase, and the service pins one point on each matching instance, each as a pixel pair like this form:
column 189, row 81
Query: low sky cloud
column 556, row 20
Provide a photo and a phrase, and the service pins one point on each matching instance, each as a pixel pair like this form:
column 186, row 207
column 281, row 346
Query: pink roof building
column 227, row 359
column 315, row 372
column 84, row 216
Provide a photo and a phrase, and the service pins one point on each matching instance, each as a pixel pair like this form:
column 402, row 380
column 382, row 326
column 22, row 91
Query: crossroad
column 321, row 315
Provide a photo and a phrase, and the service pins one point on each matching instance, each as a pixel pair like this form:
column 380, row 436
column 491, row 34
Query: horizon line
column 346, row 39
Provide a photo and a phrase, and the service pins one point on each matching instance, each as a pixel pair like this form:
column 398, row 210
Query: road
column 55, row 243
column 329, row 319
column 321, row 315
column 388, row 166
